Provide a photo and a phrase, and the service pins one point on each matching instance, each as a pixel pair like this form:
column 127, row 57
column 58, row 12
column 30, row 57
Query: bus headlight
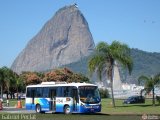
column 68, row 99
column 82, row 105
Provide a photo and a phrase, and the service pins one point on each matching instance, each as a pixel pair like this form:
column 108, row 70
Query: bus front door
column 52, row 104
column 75, row 99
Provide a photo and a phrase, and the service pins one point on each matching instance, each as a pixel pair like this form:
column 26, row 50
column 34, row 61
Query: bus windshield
column 89, row 94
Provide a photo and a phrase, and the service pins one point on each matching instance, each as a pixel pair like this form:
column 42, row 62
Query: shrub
column 104, row 93
column 158, row 99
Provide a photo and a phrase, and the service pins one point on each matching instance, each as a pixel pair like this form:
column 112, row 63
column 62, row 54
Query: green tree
column 77, row 77
column 64, row 74
column 1, row 81
column 149, row 84
column 30, row 78
column 104, row 59
column 8, row 79
column 18, row 83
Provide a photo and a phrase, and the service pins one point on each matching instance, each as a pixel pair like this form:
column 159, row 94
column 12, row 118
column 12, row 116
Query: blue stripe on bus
column 60, row 107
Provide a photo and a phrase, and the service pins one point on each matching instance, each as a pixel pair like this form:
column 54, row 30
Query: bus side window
column 45, row 92
column 39, row 92
column 59, row 92
column 33, row 92
column 28, row 92
column 66, row 92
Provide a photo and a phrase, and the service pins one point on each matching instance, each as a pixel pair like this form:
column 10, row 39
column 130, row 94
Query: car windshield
column 130, row 98
column 89, row 94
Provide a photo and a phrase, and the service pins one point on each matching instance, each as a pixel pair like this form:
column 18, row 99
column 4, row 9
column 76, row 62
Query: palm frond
column 143, row 79
column 96, row 61
column 121, row 53
column 126, row 62
column 102, row 47
column 100, row 69
column 119, row 47
column 156, row 79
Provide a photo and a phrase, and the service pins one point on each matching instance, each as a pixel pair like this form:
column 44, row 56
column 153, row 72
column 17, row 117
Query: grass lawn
column 146, row 108
column 86, row 117
column 121, row 112
column 49, row 116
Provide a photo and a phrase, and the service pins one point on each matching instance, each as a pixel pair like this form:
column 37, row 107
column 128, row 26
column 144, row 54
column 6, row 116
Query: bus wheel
column 67, row 109
column 38, row 109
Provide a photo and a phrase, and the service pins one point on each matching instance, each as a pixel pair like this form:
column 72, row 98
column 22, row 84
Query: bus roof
column 51, row 84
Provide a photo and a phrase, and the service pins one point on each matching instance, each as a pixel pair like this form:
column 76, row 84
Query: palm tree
column 1, row 81
column 8, row 78
column 104, row 60
column 17, row 82
column 4, row 79
column 149, row 84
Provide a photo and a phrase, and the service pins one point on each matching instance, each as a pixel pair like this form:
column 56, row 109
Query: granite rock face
column 64, row 39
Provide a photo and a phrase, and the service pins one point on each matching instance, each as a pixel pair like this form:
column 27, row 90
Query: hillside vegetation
column 145, row 63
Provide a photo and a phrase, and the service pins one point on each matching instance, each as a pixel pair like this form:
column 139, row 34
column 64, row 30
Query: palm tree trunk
column 7, row 95
column 113, row 101
column 153, row 100
column 17, row 93
column 112, row 92
column 1, row 92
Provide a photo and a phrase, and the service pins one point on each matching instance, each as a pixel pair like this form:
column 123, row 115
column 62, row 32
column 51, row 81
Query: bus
column 63, row 97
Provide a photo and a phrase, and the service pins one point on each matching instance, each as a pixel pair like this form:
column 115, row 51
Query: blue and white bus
column 63, row 97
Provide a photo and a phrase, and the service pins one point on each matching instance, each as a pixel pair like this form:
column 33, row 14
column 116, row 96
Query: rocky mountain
column 64, row 39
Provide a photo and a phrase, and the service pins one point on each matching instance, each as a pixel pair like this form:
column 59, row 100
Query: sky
column 134, row 22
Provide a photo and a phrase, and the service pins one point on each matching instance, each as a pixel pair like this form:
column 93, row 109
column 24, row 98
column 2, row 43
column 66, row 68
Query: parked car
column 134, row 99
